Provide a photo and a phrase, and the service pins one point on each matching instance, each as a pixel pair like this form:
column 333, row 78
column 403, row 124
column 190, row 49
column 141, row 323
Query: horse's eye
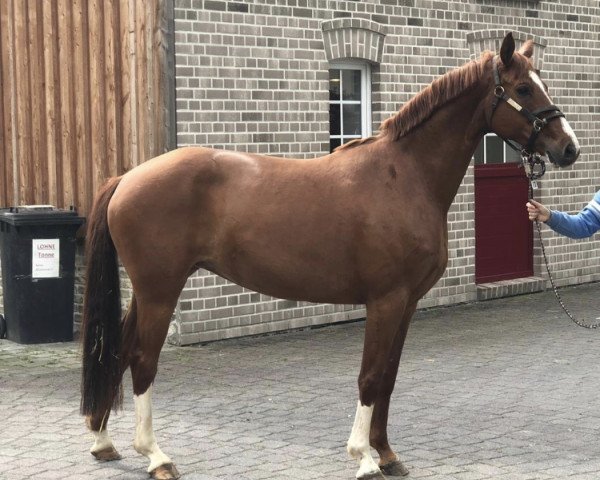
column 523, row 90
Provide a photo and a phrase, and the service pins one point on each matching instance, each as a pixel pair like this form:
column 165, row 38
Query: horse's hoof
column 107, row 455
column 370, row 475
column 394, row 469
column 165, row 472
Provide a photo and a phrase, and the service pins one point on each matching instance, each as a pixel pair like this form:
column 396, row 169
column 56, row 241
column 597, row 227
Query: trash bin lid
column 39, row 215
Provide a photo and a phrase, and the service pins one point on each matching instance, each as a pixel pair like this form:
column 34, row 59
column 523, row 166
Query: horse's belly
column 281, row 274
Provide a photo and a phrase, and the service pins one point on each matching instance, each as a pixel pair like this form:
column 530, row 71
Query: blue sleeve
column 582, row 225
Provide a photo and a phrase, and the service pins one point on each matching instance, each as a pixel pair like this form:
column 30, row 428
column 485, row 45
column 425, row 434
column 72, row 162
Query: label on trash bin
column 45, row 261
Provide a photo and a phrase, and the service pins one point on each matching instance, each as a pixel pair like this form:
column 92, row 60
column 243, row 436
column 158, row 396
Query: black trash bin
column 37, row 245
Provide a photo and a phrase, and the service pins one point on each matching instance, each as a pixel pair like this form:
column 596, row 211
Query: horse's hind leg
column 151, row 330
column 103, row 448
column 161, row 467
column 384, row 320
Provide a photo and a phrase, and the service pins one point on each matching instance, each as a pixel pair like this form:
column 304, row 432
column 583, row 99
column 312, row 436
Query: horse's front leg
column 389, row 462
column 384, row 323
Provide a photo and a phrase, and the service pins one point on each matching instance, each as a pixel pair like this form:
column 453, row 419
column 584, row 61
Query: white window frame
column 365, row 95
column 506, row 149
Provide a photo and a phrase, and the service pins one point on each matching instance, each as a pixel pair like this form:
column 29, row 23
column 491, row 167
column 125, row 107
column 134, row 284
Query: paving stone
column 501, row 390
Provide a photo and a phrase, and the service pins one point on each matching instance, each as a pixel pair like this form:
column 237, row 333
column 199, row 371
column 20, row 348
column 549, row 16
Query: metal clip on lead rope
column 535, row 168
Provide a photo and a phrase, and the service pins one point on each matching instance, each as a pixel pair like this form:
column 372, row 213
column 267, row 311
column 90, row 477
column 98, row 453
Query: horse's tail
column 101, row 329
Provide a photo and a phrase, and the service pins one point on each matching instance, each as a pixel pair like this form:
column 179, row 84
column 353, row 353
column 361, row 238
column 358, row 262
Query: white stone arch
column 482, row 40
column 353, row 38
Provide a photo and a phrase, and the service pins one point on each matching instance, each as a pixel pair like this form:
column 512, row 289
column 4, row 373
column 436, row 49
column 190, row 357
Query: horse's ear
column 527, row 49
column 507, row 49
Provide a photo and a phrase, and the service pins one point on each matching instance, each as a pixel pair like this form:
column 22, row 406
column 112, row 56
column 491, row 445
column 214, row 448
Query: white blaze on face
column 569, row 131
column 535, row 78
column 563, row 121
column 358, row 443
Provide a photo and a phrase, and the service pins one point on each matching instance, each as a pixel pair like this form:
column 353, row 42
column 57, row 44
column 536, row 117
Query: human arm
column 583, row 224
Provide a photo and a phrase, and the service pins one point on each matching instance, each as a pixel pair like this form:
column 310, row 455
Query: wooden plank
column 166, row 66
column 125, row 100
column 116, row 168
column 142, row 82
column 159, row 117
column 82, row 104
column 10, row 56
column 23, row 103
column 97, row 92
column 39, row 181
column 53, row 122
column 5, row 123
column 68, row 161
column 3, row 86
column 110, row 86
column 161, row 48
column 150, row 118
column 12, row 62
column 133, row 82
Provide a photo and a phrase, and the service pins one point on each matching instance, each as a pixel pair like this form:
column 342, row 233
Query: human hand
column 537, row 211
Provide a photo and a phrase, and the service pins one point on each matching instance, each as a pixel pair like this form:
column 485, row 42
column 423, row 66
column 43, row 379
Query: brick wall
column 252, row 76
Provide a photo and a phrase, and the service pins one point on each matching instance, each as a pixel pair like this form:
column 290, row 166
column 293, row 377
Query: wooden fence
column 86, row 93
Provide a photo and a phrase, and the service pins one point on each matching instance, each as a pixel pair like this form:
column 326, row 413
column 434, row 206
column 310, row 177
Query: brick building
column 256, row 76
column 298, row 77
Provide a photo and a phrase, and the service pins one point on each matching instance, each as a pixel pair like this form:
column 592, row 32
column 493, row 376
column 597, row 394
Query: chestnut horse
column 366, row 224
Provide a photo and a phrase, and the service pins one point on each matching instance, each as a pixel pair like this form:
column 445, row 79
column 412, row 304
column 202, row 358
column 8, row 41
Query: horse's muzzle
column 566, row 157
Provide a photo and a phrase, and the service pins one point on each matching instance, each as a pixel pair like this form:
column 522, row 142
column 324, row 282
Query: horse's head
column 521, row 109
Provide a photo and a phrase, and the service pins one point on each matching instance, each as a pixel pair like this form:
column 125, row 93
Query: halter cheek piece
column 550, row 112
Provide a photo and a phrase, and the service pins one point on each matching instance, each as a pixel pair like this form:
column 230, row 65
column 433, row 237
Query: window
column 349, row 102
column 493, row 151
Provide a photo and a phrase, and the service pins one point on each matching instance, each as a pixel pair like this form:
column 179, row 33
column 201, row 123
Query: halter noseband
column 537, row 123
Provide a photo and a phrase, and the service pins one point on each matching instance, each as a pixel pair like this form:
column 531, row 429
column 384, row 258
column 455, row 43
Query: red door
column 503, row 233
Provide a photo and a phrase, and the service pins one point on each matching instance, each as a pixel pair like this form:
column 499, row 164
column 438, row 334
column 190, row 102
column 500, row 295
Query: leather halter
column 537, row 123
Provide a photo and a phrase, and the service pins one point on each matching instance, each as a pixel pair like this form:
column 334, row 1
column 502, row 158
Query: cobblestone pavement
column 506, row 389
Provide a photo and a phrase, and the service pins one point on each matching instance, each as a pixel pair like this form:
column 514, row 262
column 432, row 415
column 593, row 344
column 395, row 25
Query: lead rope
column 530, row 162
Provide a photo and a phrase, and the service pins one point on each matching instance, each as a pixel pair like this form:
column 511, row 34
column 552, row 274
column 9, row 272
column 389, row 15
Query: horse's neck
column 442, row 147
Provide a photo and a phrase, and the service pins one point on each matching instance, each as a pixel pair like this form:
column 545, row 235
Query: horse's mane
column 424, row 104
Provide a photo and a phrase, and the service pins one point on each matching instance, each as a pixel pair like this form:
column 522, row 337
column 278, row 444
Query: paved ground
column 506, row 389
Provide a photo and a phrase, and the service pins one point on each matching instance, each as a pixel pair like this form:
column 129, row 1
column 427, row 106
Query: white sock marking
column 358, row 443
column 145, row 441
column 101, row 441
